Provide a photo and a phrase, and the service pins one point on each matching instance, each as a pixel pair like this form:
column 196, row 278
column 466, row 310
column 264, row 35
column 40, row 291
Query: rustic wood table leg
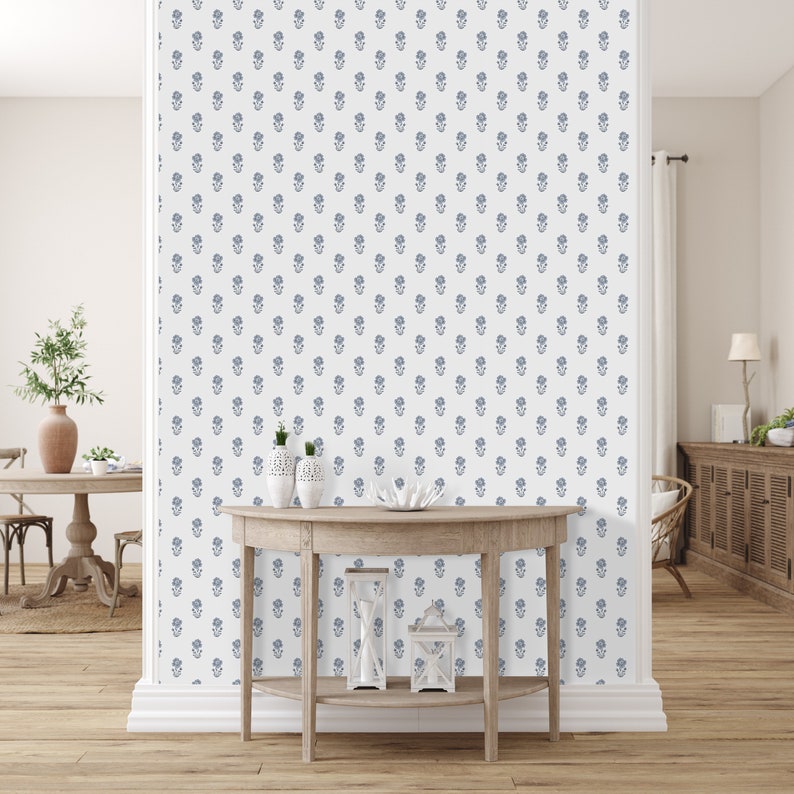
column 80, row 564
column 246, row 638
column 553, row 636
column 55, row 584
column 489, row 573
column 310, row 581
column 103, row 573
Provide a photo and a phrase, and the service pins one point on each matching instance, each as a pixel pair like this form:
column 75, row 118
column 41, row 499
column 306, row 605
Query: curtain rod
column 684, row 158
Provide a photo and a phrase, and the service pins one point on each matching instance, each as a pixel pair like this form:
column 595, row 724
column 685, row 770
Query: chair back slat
column 12, row 454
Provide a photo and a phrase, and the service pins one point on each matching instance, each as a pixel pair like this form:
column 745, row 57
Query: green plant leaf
column 57, row 370
column 760, row 432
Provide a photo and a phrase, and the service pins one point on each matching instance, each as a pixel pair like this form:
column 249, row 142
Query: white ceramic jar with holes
column 309, row 481
column 280, row 476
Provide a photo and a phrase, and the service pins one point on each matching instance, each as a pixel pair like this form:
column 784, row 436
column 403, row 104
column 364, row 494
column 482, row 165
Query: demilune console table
column 487, row 531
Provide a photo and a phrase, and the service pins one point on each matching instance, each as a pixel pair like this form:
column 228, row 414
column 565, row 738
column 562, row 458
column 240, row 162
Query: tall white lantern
column 432, row 641
column 366, row 589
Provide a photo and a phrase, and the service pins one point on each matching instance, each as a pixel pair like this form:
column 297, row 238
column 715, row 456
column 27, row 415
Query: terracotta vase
column 309, row 481
column 57, row 441
column 280, row 475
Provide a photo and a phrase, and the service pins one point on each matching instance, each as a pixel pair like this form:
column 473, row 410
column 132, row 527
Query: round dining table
column 81, row 563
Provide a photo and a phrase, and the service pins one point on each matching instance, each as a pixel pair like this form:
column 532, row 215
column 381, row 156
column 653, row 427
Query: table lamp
column 744, row 348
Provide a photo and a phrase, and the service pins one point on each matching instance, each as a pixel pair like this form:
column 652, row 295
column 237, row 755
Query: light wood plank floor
column 725, row 664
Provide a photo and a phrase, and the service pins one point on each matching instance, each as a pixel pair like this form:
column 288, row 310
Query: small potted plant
column 784, row 422
column 309, row 478
column 280, row 471
column 99, row 457
column 57, row 372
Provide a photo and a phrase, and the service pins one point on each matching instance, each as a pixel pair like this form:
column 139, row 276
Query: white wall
column 71, row 233
column 777, row 244
column 718, row 249
column 525, row 389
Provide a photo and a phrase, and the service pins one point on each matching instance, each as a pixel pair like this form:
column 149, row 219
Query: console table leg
column 246, row 639
column 553, row 636
column 489, row 572
column 310, row 581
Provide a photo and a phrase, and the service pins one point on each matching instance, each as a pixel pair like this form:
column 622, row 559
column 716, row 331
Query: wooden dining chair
column 16, row 525
column 123, row 539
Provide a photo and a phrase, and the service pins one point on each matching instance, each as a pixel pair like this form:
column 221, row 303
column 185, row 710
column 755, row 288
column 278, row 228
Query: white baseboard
column 208, row 709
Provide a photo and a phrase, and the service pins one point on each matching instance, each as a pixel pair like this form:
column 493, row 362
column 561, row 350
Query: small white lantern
column 434, row 641
column 366, row 589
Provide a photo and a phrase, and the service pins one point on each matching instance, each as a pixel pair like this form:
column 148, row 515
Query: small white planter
column 309, row 481
column 280, row 475
column 99, row 467
column 781, row 436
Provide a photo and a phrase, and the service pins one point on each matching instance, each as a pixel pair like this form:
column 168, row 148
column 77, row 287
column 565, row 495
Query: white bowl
column 781, row 436
column 412, row 496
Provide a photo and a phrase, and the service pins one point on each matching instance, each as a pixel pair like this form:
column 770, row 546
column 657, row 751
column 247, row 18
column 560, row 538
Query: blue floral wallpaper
column 408, row 230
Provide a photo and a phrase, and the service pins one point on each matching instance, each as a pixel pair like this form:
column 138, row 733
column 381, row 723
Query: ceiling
column 720, row 48
column 95, row 47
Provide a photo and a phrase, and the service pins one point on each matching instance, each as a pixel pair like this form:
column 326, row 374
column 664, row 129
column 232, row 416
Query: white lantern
column 432, row 641
column 366, row 588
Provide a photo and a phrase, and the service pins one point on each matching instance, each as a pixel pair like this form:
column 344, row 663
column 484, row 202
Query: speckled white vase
column 309, row 481
column 280, row 476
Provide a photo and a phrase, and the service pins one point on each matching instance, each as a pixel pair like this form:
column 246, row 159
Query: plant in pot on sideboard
column 57, row 373
column 779, row 432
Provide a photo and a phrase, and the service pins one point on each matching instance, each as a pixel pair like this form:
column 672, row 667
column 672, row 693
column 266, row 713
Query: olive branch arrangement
column 59, row 355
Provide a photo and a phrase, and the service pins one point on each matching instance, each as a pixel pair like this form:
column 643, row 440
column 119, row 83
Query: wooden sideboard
column 740, row 521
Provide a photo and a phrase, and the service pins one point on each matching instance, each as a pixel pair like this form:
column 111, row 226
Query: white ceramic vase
column 280, row 475
column 309, row 481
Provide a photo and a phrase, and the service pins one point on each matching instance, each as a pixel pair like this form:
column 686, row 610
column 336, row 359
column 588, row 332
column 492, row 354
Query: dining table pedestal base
column 81, row 563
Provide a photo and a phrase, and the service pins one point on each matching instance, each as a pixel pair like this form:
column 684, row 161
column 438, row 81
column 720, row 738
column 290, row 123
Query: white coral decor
column 412, row 496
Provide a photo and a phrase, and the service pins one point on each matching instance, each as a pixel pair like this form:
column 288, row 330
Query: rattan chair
column 16, row 525
column 123, row 539
column 671, row 497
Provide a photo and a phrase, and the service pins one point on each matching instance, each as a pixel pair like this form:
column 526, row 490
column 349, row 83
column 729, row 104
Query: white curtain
column 664, row 316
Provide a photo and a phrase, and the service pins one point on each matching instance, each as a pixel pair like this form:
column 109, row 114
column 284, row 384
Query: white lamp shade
column 744, row 347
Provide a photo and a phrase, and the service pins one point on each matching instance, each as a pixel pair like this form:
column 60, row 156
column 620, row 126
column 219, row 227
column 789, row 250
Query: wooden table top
column 30, row 481
column 438, row 514
column 375, row 530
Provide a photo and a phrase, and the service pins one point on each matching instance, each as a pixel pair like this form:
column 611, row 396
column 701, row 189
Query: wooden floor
column 725, row 664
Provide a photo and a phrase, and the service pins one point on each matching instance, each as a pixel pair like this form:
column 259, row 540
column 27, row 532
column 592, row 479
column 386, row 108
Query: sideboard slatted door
column 706, row 529
column 699, row 511
column 738, row 519
column 730, row 519
column 722, row 510
column 758, row 516
column 779, row 517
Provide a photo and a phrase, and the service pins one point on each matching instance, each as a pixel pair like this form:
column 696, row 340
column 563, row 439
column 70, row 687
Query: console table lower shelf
column 333, row 691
